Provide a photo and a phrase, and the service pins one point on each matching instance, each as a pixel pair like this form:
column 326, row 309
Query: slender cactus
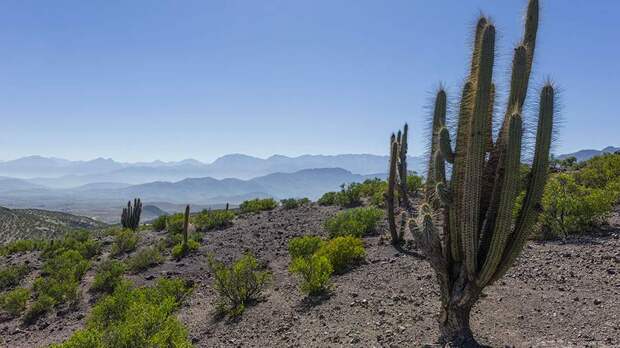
column 480, row 239
column 130, row 217
column 185, row 228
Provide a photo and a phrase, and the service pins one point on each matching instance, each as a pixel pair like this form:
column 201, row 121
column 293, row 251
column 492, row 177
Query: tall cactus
column 480, row 240
column 130, row 217
column 185, row 245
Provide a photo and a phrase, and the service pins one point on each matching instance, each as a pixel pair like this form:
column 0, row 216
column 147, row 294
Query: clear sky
column 158, row 79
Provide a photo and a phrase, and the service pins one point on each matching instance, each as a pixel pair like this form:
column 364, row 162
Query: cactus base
column 454, row 329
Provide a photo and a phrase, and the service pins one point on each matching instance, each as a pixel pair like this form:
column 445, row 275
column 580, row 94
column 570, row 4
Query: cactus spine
column 130, row 217
column 480, row 239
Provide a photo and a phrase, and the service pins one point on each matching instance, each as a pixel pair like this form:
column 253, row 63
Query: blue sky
column 153, row 79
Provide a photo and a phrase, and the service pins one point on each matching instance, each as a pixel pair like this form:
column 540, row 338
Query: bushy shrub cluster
column 12, row 275
column 14, row 301
column 293, row 203
column 80, row 241
column 208, row 220
column 144, row 259
column 569, row 207
column 159, row 224
column 357, row 222
column 125, row 241
column 109, row 275
column 256, row 205
column 180, row 250
column 314, row 260
column 371, row 190
column 136, row 317
column 22, row 245
column 238, row 284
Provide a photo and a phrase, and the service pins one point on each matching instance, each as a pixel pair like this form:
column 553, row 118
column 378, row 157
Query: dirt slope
column 558, row 295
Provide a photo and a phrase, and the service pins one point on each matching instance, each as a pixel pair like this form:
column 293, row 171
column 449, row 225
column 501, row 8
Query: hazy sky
column 154, row 79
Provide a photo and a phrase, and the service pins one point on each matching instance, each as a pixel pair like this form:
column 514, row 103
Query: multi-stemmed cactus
column 480, row 239
column 130, row 218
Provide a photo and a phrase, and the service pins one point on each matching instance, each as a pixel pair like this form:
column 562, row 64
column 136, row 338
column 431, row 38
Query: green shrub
column 357, row 222
column 109, row 275
column 314, row 273
column 213, row 219
column 328, row 198
column 125, row 241
column 343, row 252
column 39, row 307
column 11, row 276
column 174, row 223
column 571, row 208
column 178, row 251
column 14, row 301
column 21, row 246
column 238, row 284
column 79, row 241
column 349, row 195
column 68, row 265
column 600, row 171
column 257, row 205
column 141, row 317
column 414, row 183
column 293, row 203
column 159, row 224
column 304, row 246
column 144, row 259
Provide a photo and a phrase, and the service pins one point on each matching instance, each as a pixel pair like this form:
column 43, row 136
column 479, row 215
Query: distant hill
column 60, row 173
column 36, row 223
column 584, row 155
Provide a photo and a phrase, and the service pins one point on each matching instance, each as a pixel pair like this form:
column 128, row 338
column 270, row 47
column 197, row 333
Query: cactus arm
column 389, row 196
column 489, row 130
column 185, row 228
column 503, row 224
column 436, row 169
column 402, row 168
column 536, row 183
column 445, row 145
column 476, row 153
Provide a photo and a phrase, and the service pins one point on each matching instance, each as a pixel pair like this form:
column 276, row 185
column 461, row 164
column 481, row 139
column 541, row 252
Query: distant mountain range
column 584, row 155
column 207, row 191
column 61, row 173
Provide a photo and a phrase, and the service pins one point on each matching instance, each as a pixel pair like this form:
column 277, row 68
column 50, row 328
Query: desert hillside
column 558, row 294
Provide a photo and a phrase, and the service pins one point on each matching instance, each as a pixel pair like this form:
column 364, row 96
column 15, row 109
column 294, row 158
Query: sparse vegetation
column 159, row 224
column 343, row 252
column 358, row 222
column 304, row 246
column 257, row 205
column 109, row 276
column 180, row 250
column 238, row 284
column 21, row 246
column 208, row 220
column 293, row 203
column 125, row 241
column 12, row 275
column 144, row 259
column 14, row 301
column 314, row 273
column 136, row 317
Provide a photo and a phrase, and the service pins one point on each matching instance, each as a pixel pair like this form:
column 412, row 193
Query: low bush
column 21, row 246
column 159, row 224
column 125, row 241
column 39, row 307
column 349, row 195
column 239, row 284
column 314, row 273
column 357, row 222
column 343, row 252
column 144, row 259
column 109, row 275
column 599, row 171
column 257, row 205
column 304, row 246
column 328, row 198
column 414, row 183
column 293, row 203
column 178, row 251
column 14, row 301
column 208, row 220
column 79, row 241
column 174, row 224
column 140, row 317
column 11, row 276
column 571, row 208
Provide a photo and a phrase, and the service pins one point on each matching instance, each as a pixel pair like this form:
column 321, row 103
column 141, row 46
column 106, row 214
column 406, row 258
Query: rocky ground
column 560, row 294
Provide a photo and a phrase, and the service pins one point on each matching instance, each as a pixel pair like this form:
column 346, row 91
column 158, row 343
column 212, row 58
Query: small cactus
column 130, row 217
column 480, row 239
column 185, row 230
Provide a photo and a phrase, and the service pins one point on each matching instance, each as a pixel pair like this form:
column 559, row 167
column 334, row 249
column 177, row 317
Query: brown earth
column 560, row 294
